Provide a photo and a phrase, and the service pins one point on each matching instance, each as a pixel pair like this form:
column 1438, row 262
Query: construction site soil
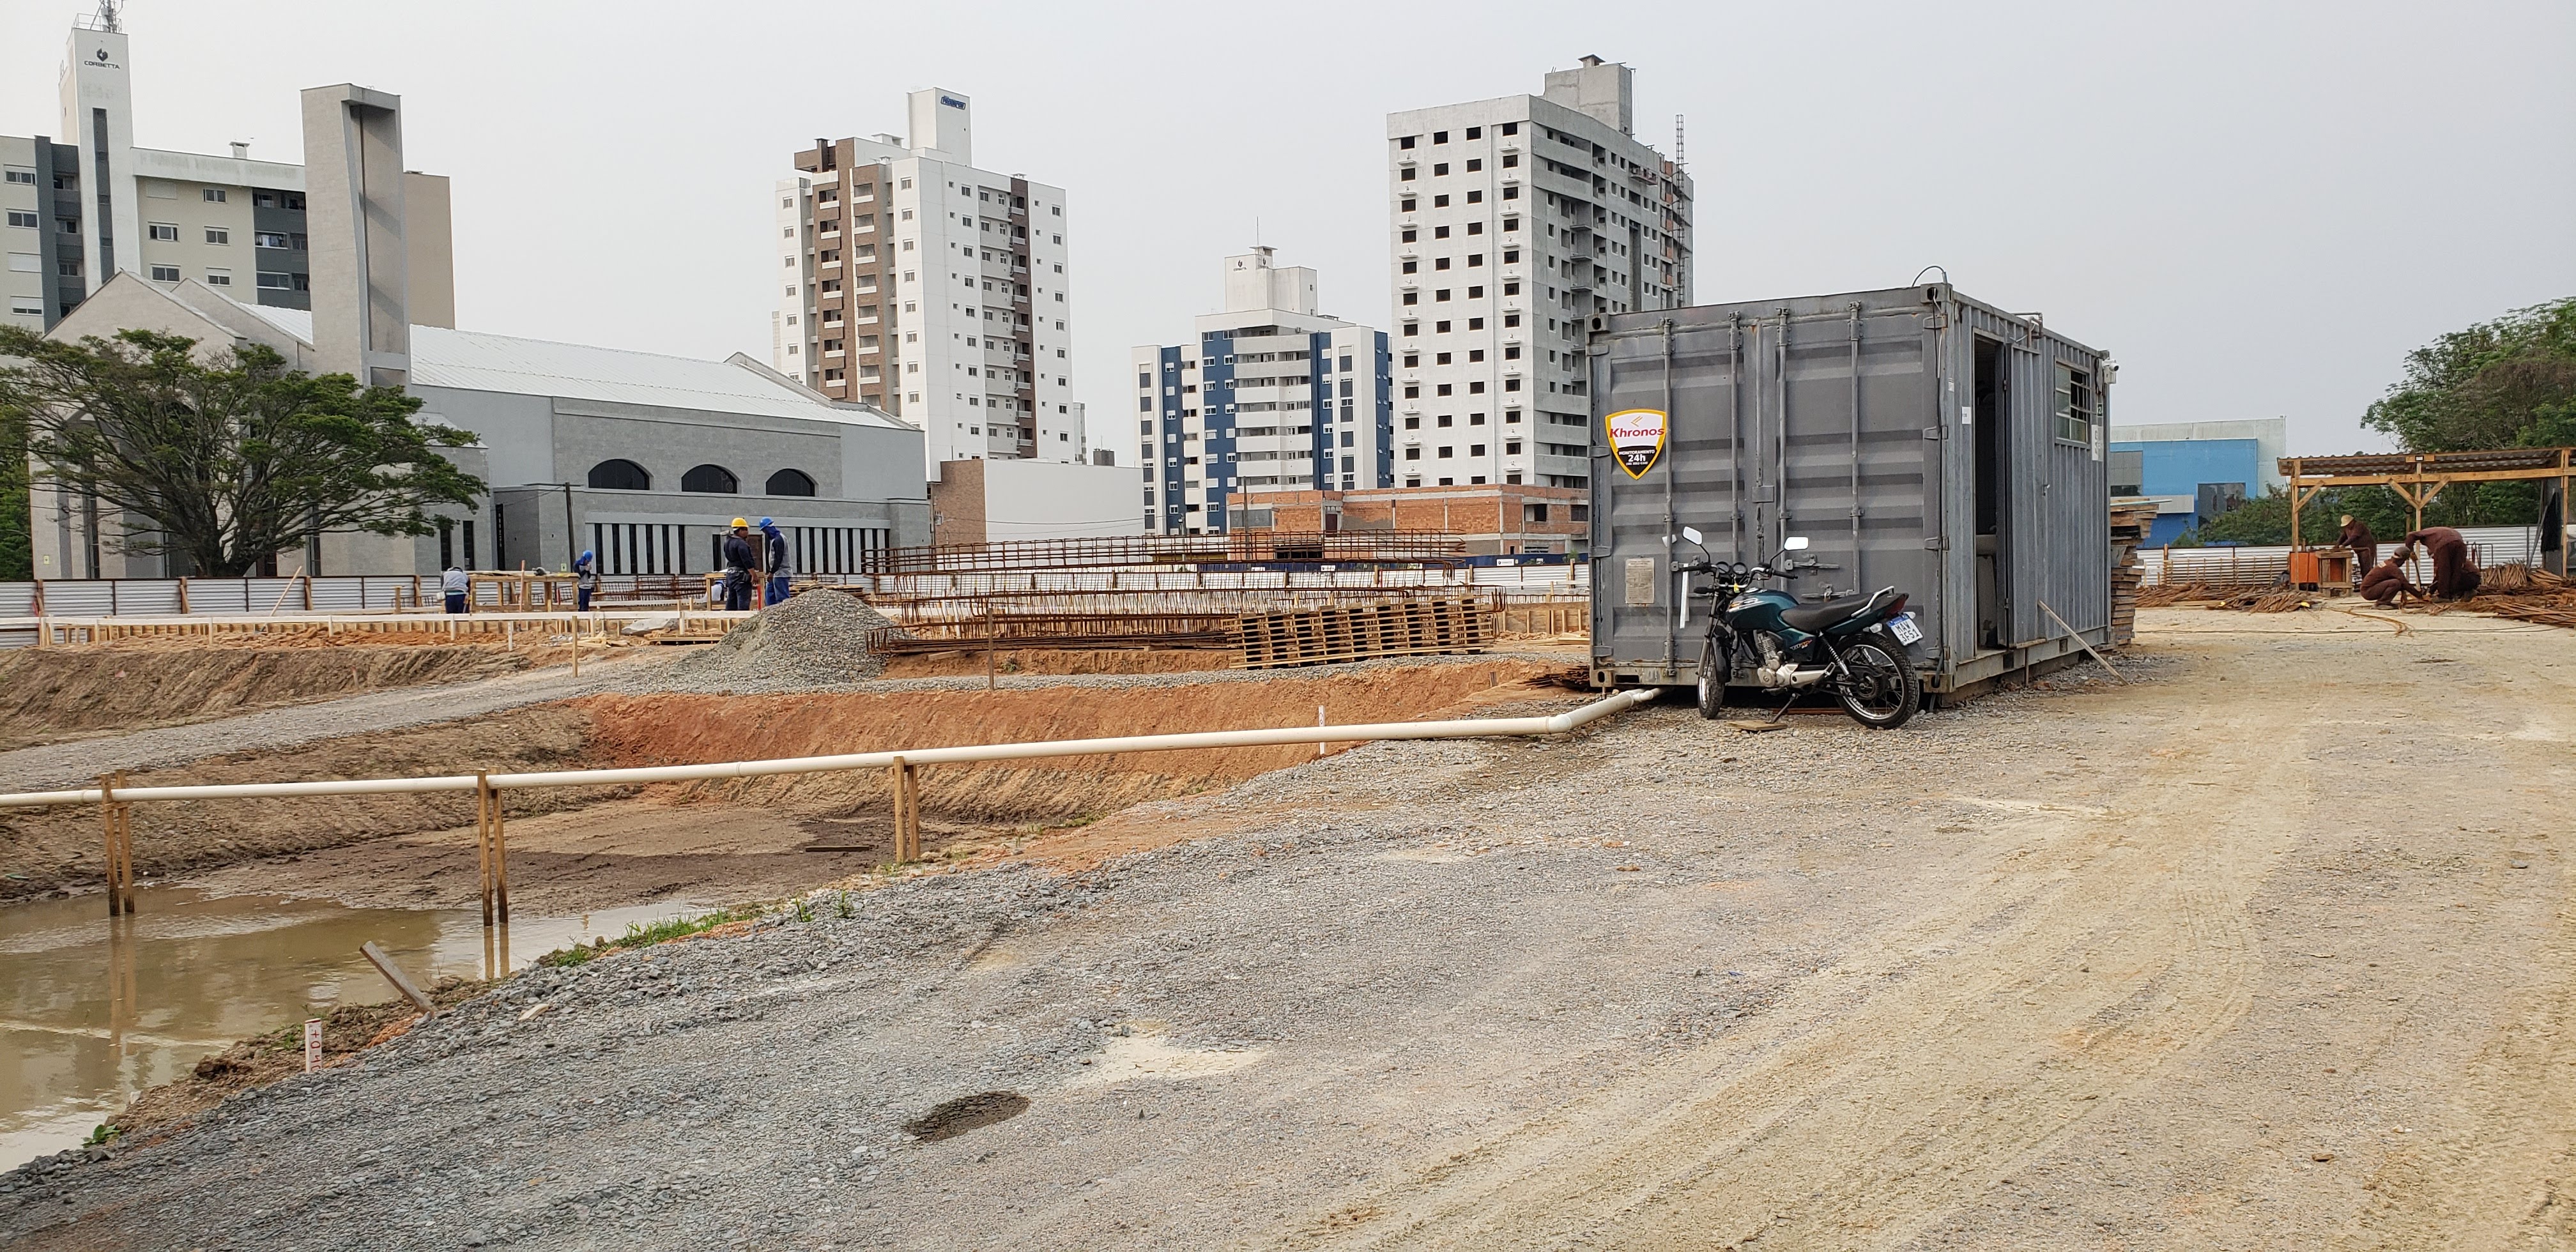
column 637, row 853
column 53, row 694
column 2137, row 966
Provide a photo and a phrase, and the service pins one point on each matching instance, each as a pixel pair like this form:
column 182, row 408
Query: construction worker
column 455, row 584
column 2386, row 583
column 776, row 567
column 585, row 572
column 2364, row 546
column 740, row 559
column 2455, row 577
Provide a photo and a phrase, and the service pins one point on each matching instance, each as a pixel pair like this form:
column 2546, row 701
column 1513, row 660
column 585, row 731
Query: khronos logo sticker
column 1637, row 438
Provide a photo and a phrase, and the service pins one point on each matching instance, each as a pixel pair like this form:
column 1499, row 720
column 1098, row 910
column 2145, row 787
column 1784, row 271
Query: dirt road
column 2109, row 969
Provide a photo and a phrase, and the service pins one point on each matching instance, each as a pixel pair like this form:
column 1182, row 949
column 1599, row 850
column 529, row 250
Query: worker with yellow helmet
column 741, row 565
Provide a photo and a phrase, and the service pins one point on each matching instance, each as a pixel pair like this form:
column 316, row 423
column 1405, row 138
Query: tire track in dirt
column 1916, row 1072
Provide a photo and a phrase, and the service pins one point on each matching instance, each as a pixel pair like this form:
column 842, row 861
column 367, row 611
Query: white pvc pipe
column 1472, row 728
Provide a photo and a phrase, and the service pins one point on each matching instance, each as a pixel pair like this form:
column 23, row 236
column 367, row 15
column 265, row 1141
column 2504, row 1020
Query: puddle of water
column 94, row 1009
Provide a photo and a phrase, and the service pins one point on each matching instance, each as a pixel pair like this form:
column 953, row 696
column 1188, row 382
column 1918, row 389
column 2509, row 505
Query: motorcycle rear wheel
column 1713, row 673
column 1884, row 690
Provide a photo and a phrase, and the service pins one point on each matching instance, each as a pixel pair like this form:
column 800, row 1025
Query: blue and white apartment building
column 2196, row 470
column 1273, row 396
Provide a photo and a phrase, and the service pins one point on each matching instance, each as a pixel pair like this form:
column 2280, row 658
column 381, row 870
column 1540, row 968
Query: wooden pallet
column 1356, row 633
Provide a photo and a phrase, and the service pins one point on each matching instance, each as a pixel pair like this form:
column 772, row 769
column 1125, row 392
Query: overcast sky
column 2257, row 209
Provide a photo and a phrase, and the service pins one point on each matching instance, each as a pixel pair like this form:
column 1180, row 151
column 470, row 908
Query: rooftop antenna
column 107, row 16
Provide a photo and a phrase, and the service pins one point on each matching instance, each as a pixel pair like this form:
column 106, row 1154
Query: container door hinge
column 1931, row 432
column 1937, row 543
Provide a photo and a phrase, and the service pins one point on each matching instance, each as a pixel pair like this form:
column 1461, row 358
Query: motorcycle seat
column 1817, row 618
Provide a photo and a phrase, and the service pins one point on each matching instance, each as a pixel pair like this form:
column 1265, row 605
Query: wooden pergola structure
column 2417, row 477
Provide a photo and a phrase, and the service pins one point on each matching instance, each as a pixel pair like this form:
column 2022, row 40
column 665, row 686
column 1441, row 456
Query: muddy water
column 93, row 1010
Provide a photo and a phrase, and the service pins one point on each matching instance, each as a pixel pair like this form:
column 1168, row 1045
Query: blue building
column 2196, row 470
column 1273, row 397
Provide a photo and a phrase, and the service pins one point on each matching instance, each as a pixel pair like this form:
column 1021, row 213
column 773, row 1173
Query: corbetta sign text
column 952, row 102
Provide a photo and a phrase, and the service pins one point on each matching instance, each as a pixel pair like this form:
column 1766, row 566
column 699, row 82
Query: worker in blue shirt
column 585, row 579
column 777, row 565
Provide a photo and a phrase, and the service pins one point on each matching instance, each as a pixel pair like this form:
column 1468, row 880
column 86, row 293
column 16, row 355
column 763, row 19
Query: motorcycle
column 1855, row 647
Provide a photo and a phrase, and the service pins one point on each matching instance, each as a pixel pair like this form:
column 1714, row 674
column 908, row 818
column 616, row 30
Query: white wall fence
column 2489, row 546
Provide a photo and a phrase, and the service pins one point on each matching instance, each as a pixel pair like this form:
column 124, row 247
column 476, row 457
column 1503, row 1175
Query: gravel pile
column 818, row 639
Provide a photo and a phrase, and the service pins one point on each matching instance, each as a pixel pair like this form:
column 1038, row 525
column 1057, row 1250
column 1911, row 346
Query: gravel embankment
column 814, row 640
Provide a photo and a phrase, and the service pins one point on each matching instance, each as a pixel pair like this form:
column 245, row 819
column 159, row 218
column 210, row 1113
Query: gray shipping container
column 1917, row 438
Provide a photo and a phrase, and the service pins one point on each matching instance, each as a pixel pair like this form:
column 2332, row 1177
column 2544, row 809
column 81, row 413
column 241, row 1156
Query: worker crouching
column 2386, row 582
column 2455, row 576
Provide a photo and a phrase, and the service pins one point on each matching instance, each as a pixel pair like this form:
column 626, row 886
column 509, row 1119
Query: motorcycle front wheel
column 1713, row 673
column 1883, row 690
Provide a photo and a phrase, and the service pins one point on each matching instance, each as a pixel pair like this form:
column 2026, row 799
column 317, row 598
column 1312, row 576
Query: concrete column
column 353, row 170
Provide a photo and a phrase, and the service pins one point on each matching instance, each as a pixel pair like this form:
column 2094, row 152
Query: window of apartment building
column 1440, row 136
column 1440, row 328
column 1412, row 267
column 219, row 278
column 1406, row 174
column 1440, row 202
column 1439, row 232
column 1447, row 452
column 165, row 273
column 165, row 232
column 1511, row 417
column 1409, row 234
column 1476, row 354
column 1412, row 359
column 219, row 235
column 1440, row 263
column 1513, row 448
column 1511, row 160
column 1474, row 164
column 1404, row 142
column 22, row 174
column 1412, row 297
column 1444, row 390
column 1412, row 328
column 1476, row 323
column 1405, row 205
column 1447, row 420
column 1511, row 352
column 1475, row 259
column 1475, row 197
column 68, row 269
column 1413, row 454
column 214, row 195
column 1413, row 423
column 29, row 220
column 1511, row 319
column 907, row 186
column 1511, row 193
column 1511, row 224
column 1439, row 169
column 1441, row 294
column 275, row 281
column 1475, row 228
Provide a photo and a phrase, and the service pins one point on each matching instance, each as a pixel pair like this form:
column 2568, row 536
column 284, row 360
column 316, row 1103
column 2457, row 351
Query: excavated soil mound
column 685, row 729
column 1009, row 661
column 42, row 849
column 50, row 694
column 818, row 639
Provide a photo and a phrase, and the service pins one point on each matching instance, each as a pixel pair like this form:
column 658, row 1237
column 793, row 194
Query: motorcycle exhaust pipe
column 1792, row 676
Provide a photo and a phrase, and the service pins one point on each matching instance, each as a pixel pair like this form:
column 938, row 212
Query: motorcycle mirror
column 1795, row 543
column 1691, row 533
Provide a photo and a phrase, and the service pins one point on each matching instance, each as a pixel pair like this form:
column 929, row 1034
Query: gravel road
column 80, row 762
column 2114, row 967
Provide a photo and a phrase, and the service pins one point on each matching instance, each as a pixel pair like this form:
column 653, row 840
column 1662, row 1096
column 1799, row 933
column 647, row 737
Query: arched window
column 617, row 475
column 788, row 482
column 715, row 478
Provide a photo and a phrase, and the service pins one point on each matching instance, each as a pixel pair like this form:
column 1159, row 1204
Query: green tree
column 2265, row 520
column 17, row 550
column 225, row 461
column 2501, row 384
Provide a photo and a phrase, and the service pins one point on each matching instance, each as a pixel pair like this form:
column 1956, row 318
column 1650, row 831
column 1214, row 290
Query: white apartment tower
column 936, row 291
column 1515, row 221
column 1270, row 396
column 86, row 203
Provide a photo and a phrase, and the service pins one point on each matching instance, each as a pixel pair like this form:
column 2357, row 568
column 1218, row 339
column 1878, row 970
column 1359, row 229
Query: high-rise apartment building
column 1273, row 396
column 912, row 281
column 1514, row 221
column 85, row 203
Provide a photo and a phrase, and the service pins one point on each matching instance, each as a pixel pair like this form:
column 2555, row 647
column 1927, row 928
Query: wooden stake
column 2071, row 632
column 483, row 842
column 393, row 974
column 907, row 811
column 501, row 871
column 116, row 828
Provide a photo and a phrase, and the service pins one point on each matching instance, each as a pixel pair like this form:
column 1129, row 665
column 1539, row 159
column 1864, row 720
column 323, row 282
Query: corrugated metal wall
column 1853, row 431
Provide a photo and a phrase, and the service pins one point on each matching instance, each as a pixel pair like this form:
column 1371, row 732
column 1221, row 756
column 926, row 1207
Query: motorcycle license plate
column 1902, row 626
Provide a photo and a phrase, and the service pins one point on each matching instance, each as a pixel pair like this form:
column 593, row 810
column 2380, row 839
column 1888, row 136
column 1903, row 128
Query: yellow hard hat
column 738, row 523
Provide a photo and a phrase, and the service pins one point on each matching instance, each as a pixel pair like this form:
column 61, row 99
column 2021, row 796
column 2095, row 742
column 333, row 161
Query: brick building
column 1494, row 519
